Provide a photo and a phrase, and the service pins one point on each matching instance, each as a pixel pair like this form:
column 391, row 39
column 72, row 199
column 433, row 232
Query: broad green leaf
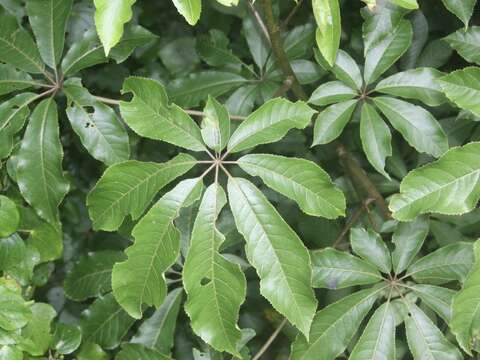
column 417, row 126
column 439, row 299
column 270, row 123
column 193, row 89
column 463, row 88
column 376, row 138
column 140, row 278
column 9, row 217
column 91, row 351
column 189, row 9
column 334, row 326
column 383, row 54
column 215, row 125
column 378, row 338
column 274, row 249
column 332, row 92
column 150, row 115
column 467, row 43
column 17, row 47
column 449, row 263
column 129, row 187
column 91, row 276
column 327, row 16
column 407, row 4
column 15, row 312
column 216, row 288
column 301, row 180
column 331, row 122
column 419, row 84
column 425, row 340
column 13, row 80
column 66, row 338
column 48, row 19
column 333, row 269
column 13, row 113
column 139, row 352
column 465, row 322
column 408, row 238
column 463, row 9
column 39, row 170
column 448, row 186
column 157, row 332
column 12, row 252
column 370, row 247
column 38, row 331
column 110, row 17
column 97, row 125
column 105, row 322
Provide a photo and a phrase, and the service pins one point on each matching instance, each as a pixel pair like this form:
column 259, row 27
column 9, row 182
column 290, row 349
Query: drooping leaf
column 66, row 338
column 38, row 331
column 463, row 9
column 439, row 299
column 110, row 17
column 139, row 352
column 270, row 123
column 140, row 278
column 215, row 125
column 274, row 249
column 128, row 188
column 463, row 88
column 370, row 247
column 13, row 80
column 327, row 16
column 300, row 180
column 215, row 287
column 39, row 170
column 416, row 125
column 189, row 9
column 333, row 269
column 9, row 217
column 448, row 186
column 331, row 122
column 332, row 92
column 149, row 115
column 48, row 19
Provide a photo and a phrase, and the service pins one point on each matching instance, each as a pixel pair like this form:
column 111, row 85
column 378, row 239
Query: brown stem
column 270, row 340
column 287, row 84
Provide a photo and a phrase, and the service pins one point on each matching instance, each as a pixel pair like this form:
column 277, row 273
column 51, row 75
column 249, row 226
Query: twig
column 287, row 84
column 270, row 340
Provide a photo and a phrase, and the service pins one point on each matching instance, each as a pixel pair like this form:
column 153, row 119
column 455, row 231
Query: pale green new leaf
column 333, row 269
column 376, row 138
column 407, row 4
column 129, row 187
column 463, row 9
column 334, row 326
column 274, row 249
column 39, row 168
column 216, row 288
column 189, row 9
column 465, row 322
column 110, row 17
column 215, row 125
column 301, row 180
column 9, row 217
column 332, row 92
column 330, row 123
column 270, row 123
column 450, row 185
column 13, row 80
column 38, row 331
column 370, row 247
column 439, row 299
column 48, row 19
column 327, row 16
column 467, row 43
column 419, row 84
column 150, row 115
column 140, row 278
column 378, row 339
column 463, row 88
column 416, row 125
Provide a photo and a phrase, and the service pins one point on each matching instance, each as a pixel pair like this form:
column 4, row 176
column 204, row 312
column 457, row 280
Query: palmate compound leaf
column 128, row 188
column 140, row 280
column 300, row 180
column 450, row 185
column 274, row 249
column 327, row 16
column 334, row 326
column 215, row 287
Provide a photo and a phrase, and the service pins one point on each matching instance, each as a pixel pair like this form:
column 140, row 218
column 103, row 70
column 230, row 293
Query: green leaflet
column 327, row 16
column 300, row 180
column 371, row 248
column 39, row 170
column 38, row 331
column 14, row 311
column 331, row 122
column 48, row 19
column 465, row 322
column 466, row 43
column 91, row 351
column 463, row 88
column 129, row 187
column 270, row 123
column 416, row 125
column 139, row 352
column 13, row 80
column 149, row 115
column 407, row 4
column 439, row 299
column 216, row 288
column 332, row 92
column 12, row 252
column 333, row 269
column 463, row 9
column 157, row 245
column 17, row 47
column 274, row 249
column 110, row 16
column 215, row 125
column 66, row 338
column 378, row 339
column 347, row 71
column 334, row 326
column 9, row 217
column 449, row 185
column 214, row 49
column 100, row 130
column 189, row 9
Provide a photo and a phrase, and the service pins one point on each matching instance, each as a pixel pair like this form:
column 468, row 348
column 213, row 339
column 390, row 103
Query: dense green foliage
column 239, row 179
